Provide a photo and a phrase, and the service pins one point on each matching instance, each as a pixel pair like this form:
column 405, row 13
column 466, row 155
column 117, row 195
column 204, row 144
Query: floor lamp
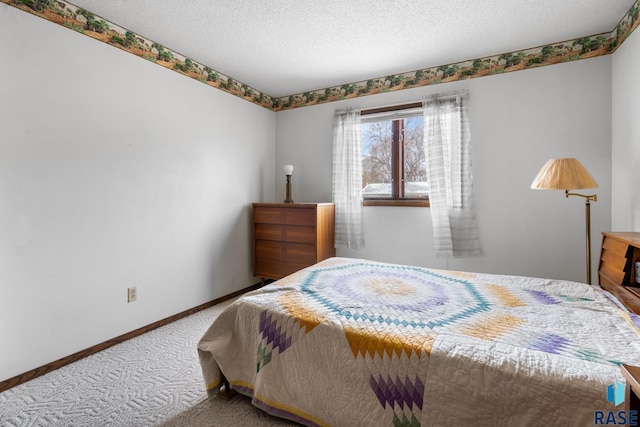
column 569, row 174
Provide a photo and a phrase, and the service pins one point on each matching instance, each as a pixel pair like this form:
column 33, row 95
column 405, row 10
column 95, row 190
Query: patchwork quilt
column 353, row 342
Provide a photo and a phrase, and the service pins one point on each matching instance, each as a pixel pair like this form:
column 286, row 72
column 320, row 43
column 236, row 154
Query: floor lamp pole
column 587, row 213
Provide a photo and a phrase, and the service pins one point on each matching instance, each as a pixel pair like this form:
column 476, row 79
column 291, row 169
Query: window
column 393, row 159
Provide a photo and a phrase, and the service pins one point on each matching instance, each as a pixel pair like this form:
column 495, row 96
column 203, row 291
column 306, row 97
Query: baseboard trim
column 49, row 367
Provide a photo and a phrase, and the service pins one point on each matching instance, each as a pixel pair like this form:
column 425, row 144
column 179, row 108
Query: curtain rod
column 411, row 105
column 391, row 108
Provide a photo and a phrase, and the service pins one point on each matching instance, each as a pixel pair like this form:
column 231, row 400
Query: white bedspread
column 352, row 342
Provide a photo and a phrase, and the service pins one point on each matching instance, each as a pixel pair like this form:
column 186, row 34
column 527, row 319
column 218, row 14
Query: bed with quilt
column 351, row 342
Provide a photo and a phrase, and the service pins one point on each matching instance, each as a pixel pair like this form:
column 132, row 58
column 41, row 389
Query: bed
column 355, row 342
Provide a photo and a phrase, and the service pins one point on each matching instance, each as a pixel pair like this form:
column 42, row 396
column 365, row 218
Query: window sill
column 417, row 203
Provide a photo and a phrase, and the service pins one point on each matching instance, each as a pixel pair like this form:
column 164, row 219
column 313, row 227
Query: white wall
column 518, row 121
column 625, row 198
column 115, row 172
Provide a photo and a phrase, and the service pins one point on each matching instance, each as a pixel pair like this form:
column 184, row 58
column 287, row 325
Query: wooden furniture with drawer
column 619, row 253
column 290, row 236
column 632, row 389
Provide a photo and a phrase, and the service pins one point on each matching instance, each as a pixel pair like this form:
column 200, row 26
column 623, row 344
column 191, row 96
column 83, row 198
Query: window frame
column 397, row 161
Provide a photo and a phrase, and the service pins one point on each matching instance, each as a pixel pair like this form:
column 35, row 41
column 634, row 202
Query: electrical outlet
column 132, row 294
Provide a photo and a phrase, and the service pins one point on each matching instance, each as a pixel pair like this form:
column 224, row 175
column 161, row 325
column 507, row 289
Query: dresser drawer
column 300, row 234
column 285, row 251
column 300, row 253
column 269, row 249
column 285, row 233
column 267, row 215
column 269, row 232
column 270, row 268
column 301, row 216
column 289, row 216
column 276, row 269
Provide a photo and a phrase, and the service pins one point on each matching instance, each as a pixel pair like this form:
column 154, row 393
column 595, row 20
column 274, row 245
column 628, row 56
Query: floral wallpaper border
column 68, row 15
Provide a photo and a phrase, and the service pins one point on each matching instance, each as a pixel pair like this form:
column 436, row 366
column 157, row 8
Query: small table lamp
column 288, row 171
column 569, row 174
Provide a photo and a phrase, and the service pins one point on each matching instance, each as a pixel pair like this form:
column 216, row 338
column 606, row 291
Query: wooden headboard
column 618, row 255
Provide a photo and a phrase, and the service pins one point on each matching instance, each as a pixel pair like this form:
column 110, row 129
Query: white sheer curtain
column 448, row 153
column 347, row 179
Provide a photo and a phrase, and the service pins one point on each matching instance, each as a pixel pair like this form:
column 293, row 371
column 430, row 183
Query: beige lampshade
column 563, row 174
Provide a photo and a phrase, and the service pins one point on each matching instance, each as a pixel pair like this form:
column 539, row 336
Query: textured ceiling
column 284, row 47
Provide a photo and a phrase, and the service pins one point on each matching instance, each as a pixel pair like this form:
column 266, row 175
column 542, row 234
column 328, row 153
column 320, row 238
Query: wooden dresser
column 619, row 253
column 290, row 236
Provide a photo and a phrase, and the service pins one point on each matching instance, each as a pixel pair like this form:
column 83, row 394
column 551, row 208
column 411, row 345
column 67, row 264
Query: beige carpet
column 151, row 380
